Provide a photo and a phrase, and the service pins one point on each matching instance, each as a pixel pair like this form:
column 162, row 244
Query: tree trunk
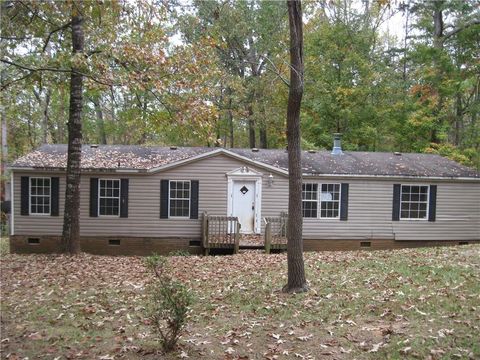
column 263, row 135
column 251, row 127
column 102, row 137
column 458, row 119
column 71, row 221
column 438, row 45
column 296, row 268
column 46, row 105
column 3, row 169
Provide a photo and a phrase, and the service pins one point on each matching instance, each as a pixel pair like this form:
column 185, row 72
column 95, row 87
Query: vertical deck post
column 268, row 237
column 237, row 239
column 205, row 233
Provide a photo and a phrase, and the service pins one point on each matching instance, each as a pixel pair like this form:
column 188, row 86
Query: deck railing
column 220, row 232
column 276, row 232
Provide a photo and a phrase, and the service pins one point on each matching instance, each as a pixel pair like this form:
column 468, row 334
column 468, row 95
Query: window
column 309, row 200
column 179, row 199
column 40, row 195
column 414, row 202
column 330, row 201
column 109, row 197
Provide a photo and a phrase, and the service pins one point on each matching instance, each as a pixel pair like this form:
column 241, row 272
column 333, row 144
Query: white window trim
column 189, row 200
column 30, row 196
column 109, row 197
column 400, row 203
column 319, row 201
column 311, row 200
column 319, row 211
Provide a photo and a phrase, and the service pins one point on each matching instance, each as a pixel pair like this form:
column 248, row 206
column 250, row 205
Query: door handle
column 253, row 206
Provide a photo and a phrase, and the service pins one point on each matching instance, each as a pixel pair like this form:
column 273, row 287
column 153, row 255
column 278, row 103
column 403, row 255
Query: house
column 139, row 200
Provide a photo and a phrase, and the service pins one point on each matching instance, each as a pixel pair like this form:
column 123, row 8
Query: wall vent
column 365, row 244
column 463, row 243
column 194, row 243
column 114, row 242
column 33, row 241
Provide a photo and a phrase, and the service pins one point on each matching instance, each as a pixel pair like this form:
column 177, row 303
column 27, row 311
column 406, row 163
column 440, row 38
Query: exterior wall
column 144, row 202
column 369, row 213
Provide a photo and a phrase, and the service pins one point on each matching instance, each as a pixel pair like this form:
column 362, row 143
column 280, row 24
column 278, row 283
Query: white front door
column 243, row 205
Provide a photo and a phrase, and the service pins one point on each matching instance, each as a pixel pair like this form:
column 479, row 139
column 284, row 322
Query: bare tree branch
column 61, row 28
column 461, row 28
column 59, row 70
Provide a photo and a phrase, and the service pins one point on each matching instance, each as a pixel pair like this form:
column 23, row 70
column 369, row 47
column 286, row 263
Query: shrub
column 169, row 301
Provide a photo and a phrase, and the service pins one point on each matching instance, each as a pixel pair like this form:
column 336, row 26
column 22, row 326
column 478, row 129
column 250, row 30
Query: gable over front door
column 244, row 198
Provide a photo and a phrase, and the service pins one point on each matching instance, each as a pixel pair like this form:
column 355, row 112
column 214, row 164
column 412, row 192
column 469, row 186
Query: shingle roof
column 322, row 162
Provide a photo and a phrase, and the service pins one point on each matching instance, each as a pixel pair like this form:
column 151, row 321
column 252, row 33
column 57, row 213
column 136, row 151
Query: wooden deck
column 224, row 232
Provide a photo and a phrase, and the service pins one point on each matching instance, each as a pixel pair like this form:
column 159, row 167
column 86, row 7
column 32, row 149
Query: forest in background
column 215, row 73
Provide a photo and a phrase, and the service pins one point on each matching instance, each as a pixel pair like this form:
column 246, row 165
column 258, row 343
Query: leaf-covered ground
column 418, row 303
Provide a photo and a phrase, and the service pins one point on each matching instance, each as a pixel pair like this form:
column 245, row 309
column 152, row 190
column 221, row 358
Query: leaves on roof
column 318, row 163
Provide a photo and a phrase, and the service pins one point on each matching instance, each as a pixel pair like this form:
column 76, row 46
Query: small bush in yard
column 169, row 300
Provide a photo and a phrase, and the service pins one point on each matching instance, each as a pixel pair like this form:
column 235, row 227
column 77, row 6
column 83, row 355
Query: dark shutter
column 432, row 203
column 24, row 194
column 396, row 202
column 124, row 198
column 55, row 190
column 164, row 190
column 344, row 202
column 194, row 199
column 93, row 197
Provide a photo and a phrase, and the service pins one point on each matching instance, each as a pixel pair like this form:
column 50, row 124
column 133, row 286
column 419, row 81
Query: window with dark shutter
column 93, row 197
column 40, row 191
column 124, row 198
column 24, row 195
column 55, row 196
column 396, row 202
column 344, row 202
column 179, row 199
column 164, row 190
column 432, row 203
column 109, row 197
column 194, row 199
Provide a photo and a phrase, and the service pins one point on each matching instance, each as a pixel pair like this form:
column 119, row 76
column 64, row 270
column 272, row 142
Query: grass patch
column 415, row 303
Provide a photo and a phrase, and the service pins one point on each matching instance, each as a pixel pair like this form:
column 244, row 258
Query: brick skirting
column 118, row 245
column 112, row 245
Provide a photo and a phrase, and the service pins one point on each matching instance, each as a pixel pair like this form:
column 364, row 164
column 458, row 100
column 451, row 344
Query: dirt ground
column 414, row 303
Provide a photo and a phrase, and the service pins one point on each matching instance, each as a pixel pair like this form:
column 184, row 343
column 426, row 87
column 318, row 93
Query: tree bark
column 296, row 268
column 251, row 127
column 438, row 45
column 71, row 221
column 263, row 134
column 102, row 137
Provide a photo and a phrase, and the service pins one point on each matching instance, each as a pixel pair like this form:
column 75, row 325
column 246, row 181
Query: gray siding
column 144, row 202
column 369, row 214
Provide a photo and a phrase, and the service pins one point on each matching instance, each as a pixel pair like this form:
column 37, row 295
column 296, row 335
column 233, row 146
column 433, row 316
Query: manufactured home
column 140, row 200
